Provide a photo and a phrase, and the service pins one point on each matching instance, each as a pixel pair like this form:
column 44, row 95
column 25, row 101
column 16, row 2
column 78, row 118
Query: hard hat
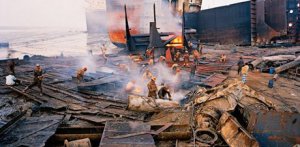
column 37, row 65
column 153, row 78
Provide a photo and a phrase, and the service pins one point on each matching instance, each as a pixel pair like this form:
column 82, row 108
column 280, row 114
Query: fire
column 177, row 42
column 118, row 36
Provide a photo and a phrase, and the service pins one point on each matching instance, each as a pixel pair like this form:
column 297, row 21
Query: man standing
column 177, row 56
column 240, row 65
column 193, row 71
column 186, row 58
column 103, row 50
column 152, row 88
column 37, row 79
column 11, row 66
column 80, row 74
column 245, row 70
column 163, row 91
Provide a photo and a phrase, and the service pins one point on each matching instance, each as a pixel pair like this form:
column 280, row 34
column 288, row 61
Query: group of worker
column 162, row 92
column 11, row 80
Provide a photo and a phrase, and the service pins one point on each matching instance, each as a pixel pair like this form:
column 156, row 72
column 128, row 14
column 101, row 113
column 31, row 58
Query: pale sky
column 58, row 13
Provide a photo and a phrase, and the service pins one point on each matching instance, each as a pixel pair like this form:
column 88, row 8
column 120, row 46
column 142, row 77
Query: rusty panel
column 214, row 80
column 275, row 128
column 122, row 128
column 234, row 134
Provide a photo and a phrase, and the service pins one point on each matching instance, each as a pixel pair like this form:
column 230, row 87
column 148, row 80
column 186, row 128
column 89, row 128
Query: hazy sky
column 57, row 13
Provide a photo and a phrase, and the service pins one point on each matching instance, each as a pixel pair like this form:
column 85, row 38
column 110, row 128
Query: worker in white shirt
column 11, row 80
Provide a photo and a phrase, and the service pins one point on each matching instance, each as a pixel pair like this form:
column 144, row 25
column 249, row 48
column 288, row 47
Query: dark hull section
column 256, row 22
column 96, row 21
column 224, row 25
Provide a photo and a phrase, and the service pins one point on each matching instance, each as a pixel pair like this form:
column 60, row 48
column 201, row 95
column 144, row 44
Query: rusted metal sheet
column 274, row 128
column 214, row 80
column 123, row 128
column 234, row 134
column 32, row 131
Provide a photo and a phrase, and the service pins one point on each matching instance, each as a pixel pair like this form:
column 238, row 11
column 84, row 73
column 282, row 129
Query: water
column 49, row 42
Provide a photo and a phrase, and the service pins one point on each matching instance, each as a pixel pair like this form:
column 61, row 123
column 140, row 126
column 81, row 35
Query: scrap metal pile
column 222, row 112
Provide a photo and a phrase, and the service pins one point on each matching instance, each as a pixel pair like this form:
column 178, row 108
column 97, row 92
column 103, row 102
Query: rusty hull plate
column 122, row 128
column 214, row 80
column 234, row 134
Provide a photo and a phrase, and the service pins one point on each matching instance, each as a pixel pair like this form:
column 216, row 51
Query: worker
column 11, row 67
column 272, row 81
column 163, row 91
column 196, row 57
column 37, row 79
column 174, row 68
column 150, row 53
column 240, row 64
column 193, row 71
column 11, row 80
column 177, row 56
column 152, row 88
column 245, row 70
column 80, row 74
column 190, row 44
column 223, row 58
column 147, row 75
column 103, row 50
column 186, row 58
column 162, row 60
column 151, row 61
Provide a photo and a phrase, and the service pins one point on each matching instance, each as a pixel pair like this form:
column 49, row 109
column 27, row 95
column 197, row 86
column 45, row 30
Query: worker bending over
column 37, row 79
column 80, row 74
column 223, row 58
column 163, row 91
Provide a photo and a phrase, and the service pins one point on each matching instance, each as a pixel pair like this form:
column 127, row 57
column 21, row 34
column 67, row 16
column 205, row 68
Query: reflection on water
column 49, row 42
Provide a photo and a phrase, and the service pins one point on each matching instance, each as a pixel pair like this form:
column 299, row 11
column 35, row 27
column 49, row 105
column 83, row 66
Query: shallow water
column 49, row 42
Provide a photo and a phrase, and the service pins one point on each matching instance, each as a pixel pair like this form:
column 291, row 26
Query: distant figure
column 245, row 70
column 152, row 88
column 103, row 50
column 150, row 53
column 80, row 74
column 223, row 58
column 186, row 58
column 11, row 67
column 240, row 64
column 196, row 57
column 193, row 71
column 190, row 44
column 37, row 79
column 163, row 91
column 147, row 75
column 162, row 60
column 177, row 57
column 272, row 81
column 174, row 68
column 11, row 80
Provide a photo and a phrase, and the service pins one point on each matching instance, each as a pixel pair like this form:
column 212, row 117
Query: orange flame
column 177, row 42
